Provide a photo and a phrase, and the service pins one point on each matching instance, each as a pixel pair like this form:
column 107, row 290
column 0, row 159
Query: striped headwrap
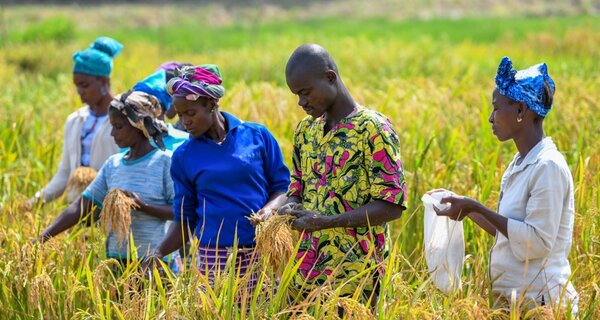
column 142, row 110
column 525, row 86
column 193, row 82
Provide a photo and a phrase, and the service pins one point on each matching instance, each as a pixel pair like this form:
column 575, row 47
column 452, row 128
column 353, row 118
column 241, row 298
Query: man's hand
column 308, row 221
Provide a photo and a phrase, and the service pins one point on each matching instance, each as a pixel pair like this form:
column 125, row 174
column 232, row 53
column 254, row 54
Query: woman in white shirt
column 87, row 141
column 533, row 225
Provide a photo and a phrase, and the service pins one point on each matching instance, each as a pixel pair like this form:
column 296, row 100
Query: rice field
column 432, row 77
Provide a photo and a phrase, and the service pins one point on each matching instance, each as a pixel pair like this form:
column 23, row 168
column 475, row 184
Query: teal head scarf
column 97, row 60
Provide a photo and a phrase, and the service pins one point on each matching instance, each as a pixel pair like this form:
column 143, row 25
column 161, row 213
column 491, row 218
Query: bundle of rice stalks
column 352, row 309
column 81, row 178
column 116, row 213
column 274, row 239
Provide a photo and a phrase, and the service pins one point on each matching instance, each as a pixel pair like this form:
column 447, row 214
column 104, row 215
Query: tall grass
column 434, row 85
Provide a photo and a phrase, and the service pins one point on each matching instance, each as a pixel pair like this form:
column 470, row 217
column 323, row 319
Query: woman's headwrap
column 171, row 68
column 156, row 85
column 142, row 111
column 193, row 82
column 97, row 60
column 525, row 86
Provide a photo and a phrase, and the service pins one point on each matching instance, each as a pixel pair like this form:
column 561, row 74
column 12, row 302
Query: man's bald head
column 311, row 58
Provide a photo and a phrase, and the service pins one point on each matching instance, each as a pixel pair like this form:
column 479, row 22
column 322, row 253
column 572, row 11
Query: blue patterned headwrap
column 156, row 85
column 97, row 60
column 525, row 86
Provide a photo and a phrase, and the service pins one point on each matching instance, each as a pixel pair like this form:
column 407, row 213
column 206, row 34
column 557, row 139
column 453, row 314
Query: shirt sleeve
column 97, row 190
column 276, row 172
column 168, row 182
column 296, row 186
column 382, row 157
column 58, row 183
column 534, row 237
column 185, row 201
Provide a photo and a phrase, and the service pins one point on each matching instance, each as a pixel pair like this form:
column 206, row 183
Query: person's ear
column 521, row 110
column 331, row 76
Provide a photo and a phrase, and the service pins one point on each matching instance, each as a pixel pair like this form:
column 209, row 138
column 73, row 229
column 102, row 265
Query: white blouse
column 537, row 197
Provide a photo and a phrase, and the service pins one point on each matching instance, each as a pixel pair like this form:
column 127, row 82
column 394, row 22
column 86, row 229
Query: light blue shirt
column 148, row 177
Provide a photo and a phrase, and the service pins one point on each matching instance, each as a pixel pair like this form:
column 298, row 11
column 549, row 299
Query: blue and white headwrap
column 525, row 86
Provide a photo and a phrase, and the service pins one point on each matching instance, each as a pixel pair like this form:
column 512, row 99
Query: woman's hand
column 308, row 221
column 136, row 197
column 459, row 208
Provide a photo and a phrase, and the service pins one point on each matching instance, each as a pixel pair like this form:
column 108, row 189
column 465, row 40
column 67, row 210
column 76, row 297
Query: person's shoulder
column 256, row 128
column 306, row 123
column 163, row 155
column 114, row 160
column 370, row 118
column 182, row 149
column 552, row 159
column 80, row 113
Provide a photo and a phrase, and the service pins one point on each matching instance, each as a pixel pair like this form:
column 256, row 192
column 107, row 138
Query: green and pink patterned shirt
column 356, row 162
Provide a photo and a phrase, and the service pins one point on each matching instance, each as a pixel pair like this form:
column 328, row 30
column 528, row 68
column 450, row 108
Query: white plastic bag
column 444, row 244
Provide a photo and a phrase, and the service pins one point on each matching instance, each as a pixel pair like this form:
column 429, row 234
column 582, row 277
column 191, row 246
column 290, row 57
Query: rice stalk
column 80, row 179
column 41, row 290
column 274, row 240
column 116, row 213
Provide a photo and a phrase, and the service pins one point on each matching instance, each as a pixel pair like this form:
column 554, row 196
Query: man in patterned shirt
column 346, row 184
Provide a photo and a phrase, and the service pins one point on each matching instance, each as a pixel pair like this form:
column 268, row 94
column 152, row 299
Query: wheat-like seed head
column 80, row 179
column 116, row 213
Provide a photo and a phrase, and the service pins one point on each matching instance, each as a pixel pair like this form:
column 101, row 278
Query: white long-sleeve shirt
column 103, row 146
column 537, row 197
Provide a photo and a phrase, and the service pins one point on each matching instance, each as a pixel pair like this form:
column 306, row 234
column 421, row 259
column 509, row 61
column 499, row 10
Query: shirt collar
column 232, row 121
column 533, row 155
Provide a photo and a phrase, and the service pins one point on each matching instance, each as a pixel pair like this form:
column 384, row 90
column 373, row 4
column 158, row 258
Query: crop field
column 433, row 77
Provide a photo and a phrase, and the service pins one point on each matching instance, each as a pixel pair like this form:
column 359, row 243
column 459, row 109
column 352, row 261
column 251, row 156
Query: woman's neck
column 529, row 139
column 219, row 129
column 139, row 150
column 101, row 108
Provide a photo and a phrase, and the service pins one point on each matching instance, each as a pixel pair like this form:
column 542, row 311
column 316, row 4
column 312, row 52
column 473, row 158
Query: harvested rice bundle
column 81, row 178
column 274, row 239
column 116, row 213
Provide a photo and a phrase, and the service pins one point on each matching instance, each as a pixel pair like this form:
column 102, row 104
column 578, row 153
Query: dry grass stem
column 116, row 213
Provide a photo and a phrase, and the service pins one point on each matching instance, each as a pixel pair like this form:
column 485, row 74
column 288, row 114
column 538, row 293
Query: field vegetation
column 432, row 77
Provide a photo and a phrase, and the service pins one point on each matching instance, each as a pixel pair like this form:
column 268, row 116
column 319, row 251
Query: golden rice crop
column 81, row 178
column 41, row 289
column 116, row 213
column 274, row 239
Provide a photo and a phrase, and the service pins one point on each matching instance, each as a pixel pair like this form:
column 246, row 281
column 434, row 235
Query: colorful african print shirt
column 356, row 162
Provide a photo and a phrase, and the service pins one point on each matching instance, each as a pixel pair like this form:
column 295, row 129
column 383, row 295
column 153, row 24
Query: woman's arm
column 461, row 207
column 176, row 237
column 74, row 213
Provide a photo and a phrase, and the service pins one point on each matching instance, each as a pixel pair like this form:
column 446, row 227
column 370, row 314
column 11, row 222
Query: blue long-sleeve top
column 218, row 185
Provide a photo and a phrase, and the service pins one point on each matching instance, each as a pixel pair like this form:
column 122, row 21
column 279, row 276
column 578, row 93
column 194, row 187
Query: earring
column 103, row 91
column 212, row 109
column 519, row 119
